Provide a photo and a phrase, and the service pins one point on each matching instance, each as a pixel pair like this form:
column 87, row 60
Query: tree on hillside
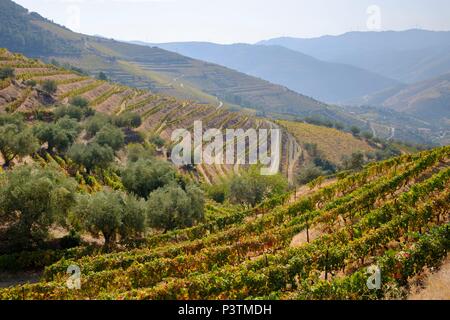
column 251, row 188
column 136, row 152
column 79, row 102
column 31, row 200
column 355, row 130
column 144, row 176
column 16, row 139
column 354, row 162
column 91, row 156
column 110, row 136
column 49, row 86
column 171, row 207
column 6, row 72
column 127, row 120
column 102, row 76
column 112, row 213
column 59, row 135
column 157, row 141
column 309, row 173
column 96, row 123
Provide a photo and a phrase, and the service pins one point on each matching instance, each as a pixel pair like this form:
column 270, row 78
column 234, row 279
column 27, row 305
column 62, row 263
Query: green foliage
column 110, row 136
column 111, row 213
column 59, row 135
column 144, row 176
column 127, row 120
column 96, row 123
column 91, row 156
column 31, row 83
column 79, row 102
column 102, row 76
column 355, row 130
column 157, row 141
column 252, row 188
column 137, row 151
column 171, row 207
column 367, row 135
column 6, row 72
column 49, row 86
column 355, row 162
column 31, row 200
column 309, row 173
column 16, row 139
column 218, row 191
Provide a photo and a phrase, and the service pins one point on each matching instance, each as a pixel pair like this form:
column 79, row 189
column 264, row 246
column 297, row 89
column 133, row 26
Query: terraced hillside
column 160, row 114
column 153, row 68
column 392, row 214
column 332, row 143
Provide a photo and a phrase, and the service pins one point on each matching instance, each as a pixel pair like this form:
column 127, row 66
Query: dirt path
column 433, row 286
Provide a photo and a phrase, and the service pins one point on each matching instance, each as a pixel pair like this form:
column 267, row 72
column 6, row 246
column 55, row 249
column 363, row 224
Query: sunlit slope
column 392, row 214
column 160, row 114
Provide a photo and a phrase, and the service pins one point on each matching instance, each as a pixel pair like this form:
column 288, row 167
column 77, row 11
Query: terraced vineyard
column 160, row 114
column 393, row 214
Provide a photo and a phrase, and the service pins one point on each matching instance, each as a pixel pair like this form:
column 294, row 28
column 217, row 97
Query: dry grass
column 332, row 143
column 432, row 285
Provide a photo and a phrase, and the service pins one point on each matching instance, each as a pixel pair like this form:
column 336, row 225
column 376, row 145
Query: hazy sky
column 230, row 21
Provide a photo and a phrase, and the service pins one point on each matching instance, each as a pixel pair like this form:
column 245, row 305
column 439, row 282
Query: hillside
column 325, row 81
column 392, row 214
column 428, row 100
column 153, row 68
column 333, row 144
column 407, row 56
column 160, row 114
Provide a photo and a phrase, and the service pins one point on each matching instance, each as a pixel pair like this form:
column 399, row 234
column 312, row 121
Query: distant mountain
column 428, row 100
column 325, row 81
column 153, row 68
column 407, row 56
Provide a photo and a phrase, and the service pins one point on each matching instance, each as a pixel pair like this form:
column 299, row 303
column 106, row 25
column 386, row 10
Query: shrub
column 79, row 102
column 49, row 86
column 6, row 72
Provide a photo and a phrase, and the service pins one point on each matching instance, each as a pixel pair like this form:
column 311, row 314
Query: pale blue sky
column 230, row 21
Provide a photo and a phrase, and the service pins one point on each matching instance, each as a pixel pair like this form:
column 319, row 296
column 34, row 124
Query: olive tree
column 91, row 156
column 172, row 207
column 251, row 188
column 31, row 200
column 112, row 213
column 144, row 176
column 59, row 135
column 110, row 136
column 16, row 139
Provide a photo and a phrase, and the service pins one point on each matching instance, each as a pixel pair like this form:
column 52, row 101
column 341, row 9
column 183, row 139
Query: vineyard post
column 307, row 231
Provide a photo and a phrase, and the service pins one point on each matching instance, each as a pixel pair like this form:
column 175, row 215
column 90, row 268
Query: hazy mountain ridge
column 428, row 99
column 325, row 81
column 407, row 56
column 157, row 69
